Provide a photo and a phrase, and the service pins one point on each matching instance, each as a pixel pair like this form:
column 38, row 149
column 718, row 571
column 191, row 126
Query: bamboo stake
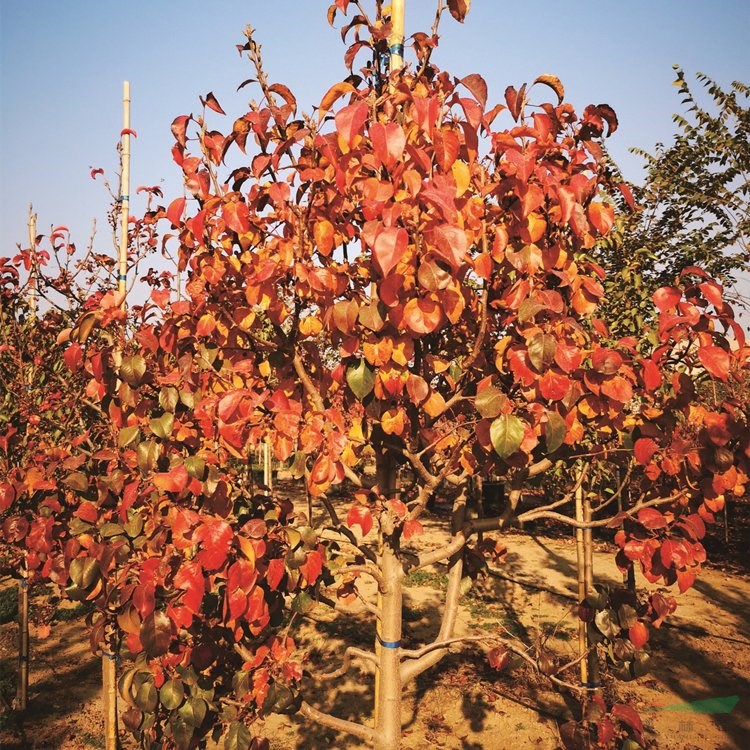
column 580, row 567
column 22, row 689
column 124, row 197
column 588, row 575
column 33, row 281
column 267, row 466
column 396, row 39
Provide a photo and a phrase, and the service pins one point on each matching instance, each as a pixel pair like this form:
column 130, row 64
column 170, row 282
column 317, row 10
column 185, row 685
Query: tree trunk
column 388, row 640
column 109, row 688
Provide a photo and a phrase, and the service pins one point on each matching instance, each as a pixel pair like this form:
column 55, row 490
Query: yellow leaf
column 264, row 368
column 435, row 405
column 461, row 175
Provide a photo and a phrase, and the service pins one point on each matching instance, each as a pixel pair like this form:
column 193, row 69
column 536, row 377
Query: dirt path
column 696, row 697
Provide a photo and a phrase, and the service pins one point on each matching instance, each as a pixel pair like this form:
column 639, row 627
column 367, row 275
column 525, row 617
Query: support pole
column 396, row 39
column 124, row 197
column 33, row 277
column 580, row 568
column 22, row 688
column 109, row 687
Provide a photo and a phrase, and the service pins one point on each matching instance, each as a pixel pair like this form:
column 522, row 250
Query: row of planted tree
column 394, row 280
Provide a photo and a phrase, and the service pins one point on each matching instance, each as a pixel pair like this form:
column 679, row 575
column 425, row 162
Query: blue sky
column 62, row 65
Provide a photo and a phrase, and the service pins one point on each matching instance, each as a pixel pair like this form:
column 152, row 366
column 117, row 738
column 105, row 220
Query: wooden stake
column 124, row 197
column 588, row 575
column 580, row 567
column 396, row 39
column 33, row 280
column 22, row 689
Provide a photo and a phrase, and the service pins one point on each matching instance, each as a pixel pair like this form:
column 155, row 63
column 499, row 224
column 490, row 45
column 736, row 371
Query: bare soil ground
column 702, row 654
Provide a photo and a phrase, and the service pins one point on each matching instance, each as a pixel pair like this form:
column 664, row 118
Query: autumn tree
column 397, row 279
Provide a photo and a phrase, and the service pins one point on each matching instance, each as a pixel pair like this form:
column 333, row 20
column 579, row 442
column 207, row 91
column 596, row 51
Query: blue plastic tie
column 122, row 198
column 122, row 277
column 397, row 49
column 389, row 644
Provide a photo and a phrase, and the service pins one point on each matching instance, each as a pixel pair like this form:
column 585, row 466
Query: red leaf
column 667, row 297
column 606, row 361
column 389, row 247
column 422, row 315
column 128, row 131
column 644, row 450
column 628, row 715
column 652, row 518
column 451, row 245
column 350, row 119
column 216, row 538
column 639, row 634
column 95, row 172
column 236, row 216
column 618, row 389
column 601, row 216
column 716, row 361
column 360, row 516
column 73, row 357
column 412, row 528
column 175, row 211
column 312, row 567
column 211, row 102
column 554, row 386
column 459, row 9
column 478, row 87
column 652, row 377
column 7, row 496
column 685, row 579
column 388, row 142
column 174, row 480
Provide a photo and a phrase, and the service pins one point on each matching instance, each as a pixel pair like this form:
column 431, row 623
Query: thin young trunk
column 109, row 689
column 388, row 701
column 388, row 639
column 22, row 690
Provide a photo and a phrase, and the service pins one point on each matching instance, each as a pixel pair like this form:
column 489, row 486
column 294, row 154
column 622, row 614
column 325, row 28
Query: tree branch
column 367, row 734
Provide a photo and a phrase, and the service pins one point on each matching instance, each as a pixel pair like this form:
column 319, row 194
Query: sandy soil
column 703, row 653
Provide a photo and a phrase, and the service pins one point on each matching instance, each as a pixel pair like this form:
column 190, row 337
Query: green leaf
column 168, row 398
column 134, row 526
column 542, row 351
column 193, row 711
column 128, row 435
column 133, row 369
column 171, row 694
column 147, row 454
column 111, row 529
column 162, row 426
column 506, row 434
column 605, row 621
column 196, row 467
column 490, row 402
column 554, row 431
column 83, row 571
column 182, row 732
column 361, row 379
column 238, row 737
column 146, row 698
column 77, row 481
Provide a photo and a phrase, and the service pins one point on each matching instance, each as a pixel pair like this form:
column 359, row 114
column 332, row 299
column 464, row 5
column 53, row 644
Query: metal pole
column 124, row 197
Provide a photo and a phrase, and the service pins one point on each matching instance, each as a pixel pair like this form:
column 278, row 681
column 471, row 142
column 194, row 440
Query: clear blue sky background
column 62, row 65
